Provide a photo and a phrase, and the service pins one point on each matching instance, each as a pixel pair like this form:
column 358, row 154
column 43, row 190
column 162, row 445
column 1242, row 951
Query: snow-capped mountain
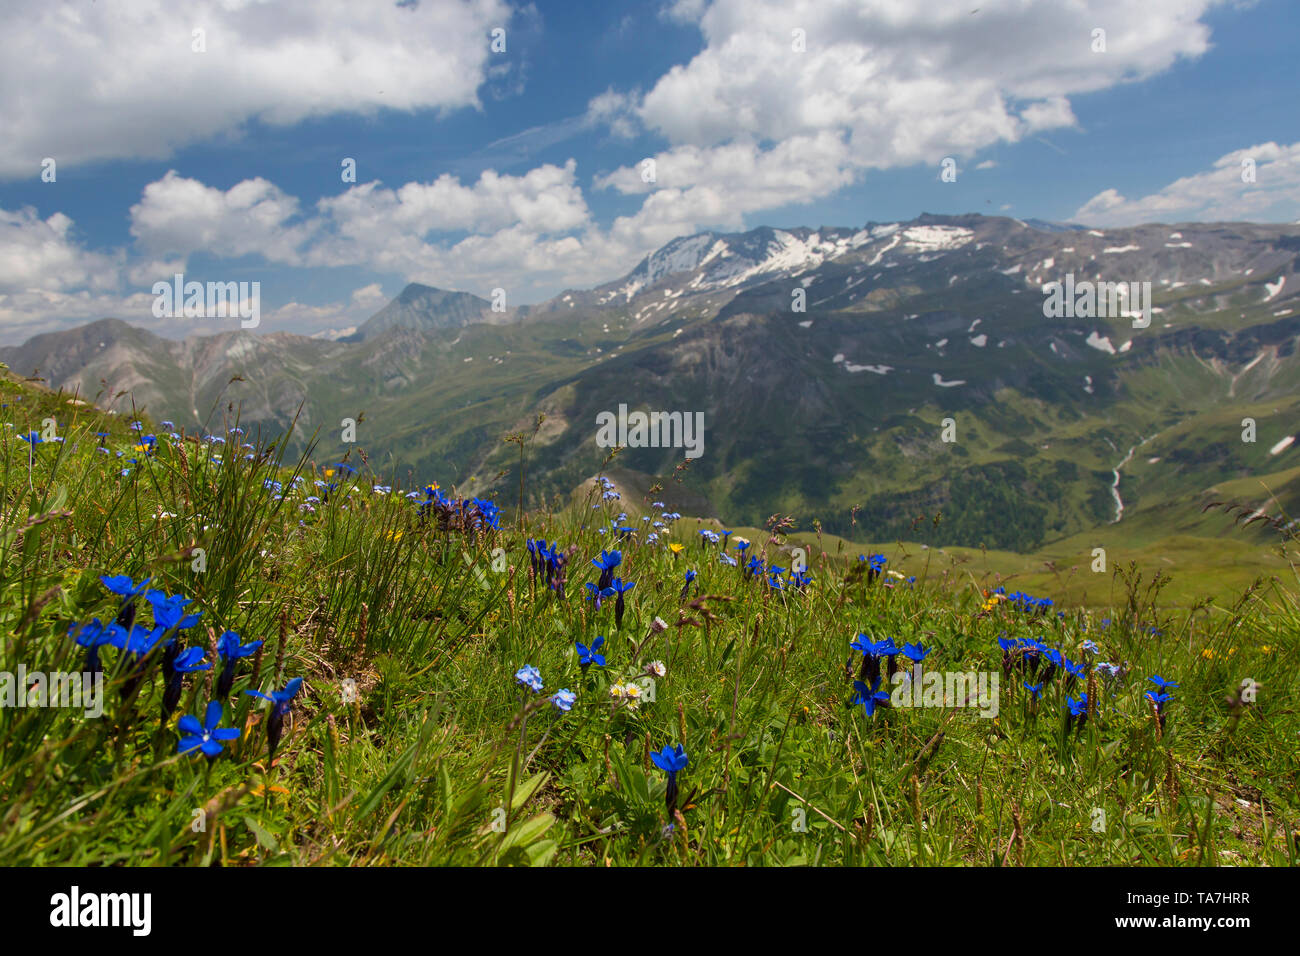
column 822, row 359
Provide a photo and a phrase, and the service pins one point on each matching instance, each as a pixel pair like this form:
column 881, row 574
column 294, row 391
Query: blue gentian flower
column 597, row 594
column 590, row 655
column 886, row 648
column 231, row 650
column 207, row 735
column 690, row 576
column 281, row 700
column 180, row 664
column 607, row 562
column 868, row 697
column 121, row 584
column 169, row 612
column 617, row 586
column 671, row 760
column 92, row 637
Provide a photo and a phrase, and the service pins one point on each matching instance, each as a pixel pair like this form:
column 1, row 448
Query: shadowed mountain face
column 902, row 369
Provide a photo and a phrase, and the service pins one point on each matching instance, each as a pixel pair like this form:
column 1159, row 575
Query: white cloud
column 45, row 253
column 306, row 319
column 100, row 81
column 615, row 110
column 886, row 83
column 546, row 199
column 910, row 82
column 528, row 234
column 179, row 216
column 719, row 186
column 1216, row 194
column 36, row 311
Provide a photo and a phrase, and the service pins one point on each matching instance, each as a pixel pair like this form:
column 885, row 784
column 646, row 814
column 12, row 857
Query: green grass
column 443, row 758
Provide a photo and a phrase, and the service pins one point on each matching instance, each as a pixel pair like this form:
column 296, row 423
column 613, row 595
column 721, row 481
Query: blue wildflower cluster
column 1026, row 603
column 873, row 653
column 138, row 644
column 457, row 513
column 1039, row 663
column 548, row 563
column 874, row 564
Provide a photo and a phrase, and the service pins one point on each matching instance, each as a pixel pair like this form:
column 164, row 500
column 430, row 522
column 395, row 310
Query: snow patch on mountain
column 932, row 238
column 878, row 369
column 1100, row 342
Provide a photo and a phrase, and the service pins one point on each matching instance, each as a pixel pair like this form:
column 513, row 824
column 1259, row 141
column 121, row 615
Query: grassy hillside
column 419, row 735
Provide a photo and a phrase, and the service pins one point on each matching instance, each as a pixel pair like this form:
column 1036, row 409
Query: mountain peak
column 426, row 308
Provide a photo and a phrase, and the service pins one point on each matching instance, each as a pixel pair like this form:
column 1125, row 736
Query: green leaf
column 263, row 836
column 525, row 792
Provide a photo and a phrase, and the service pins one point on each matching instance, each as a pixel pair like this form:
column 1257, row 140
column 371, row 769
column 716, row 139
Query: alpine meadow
column 438, row 435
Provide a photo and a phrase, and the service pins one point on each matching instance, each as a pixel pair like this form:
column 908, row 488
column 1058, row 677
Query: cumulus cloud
column 45, row 253
column 96, row 88
column 1218, row 193
column 719, row 186
column 523, row 231
column 544, row 200
column 179, row 215
column 516, row 226
column 883, row 83
column 910, row 82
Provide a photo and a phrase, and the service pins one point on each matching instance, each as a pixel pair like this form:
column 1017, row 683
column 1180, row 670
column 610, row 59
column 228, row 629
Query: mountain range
column 830, row 365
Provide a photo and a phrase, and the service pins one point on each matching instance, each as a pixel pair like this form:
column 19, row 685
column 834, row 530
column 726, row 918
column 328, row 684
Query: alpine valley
column 1068, row 433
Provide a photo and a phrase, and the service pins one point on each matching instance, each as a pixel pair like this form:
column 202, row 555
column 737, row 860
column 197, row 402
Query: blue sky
column 522, row 169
